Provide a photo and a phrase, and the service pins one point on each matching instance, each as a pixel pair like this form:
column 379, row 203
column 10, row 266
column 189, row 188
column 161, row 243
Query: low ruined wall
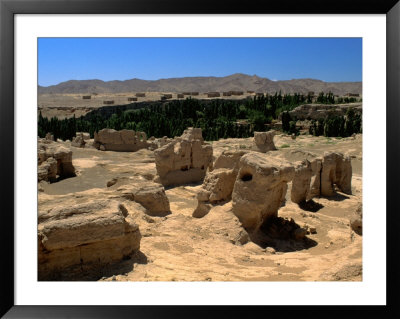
column 120, row 141
column 84, row 238
column 257, row 183
column 264, row 141
column 54, row 160
column 184, row 159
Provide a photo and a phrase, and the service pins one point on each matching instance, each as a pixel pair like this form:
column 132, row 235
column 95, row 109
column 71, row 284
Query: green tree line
column 217, row 118
column 337, row 126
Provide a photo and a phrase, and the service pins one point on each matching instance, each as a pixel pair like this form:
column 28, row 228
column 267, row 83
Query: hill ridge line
column 237, row 81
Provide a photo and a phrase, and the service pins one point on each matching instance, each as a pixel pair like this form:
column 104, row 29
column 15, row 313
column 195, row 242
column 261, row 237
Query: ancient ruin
column 193, row 175
column 336, row 170
column 301, row 182
column 54, row 161
column 84, row 238
column 257, row 184
column 149, row 194
column 320, row 177
column 260, row 188
column 183, row 160
column 120, row 141
column 250, row 203
column 47, row 170
column 218, row 183
column 78, row 141
column 164, row 140
column 49, row 137
column 264, row 141
column 229, row 159
column 315, row 182
column 85, row 135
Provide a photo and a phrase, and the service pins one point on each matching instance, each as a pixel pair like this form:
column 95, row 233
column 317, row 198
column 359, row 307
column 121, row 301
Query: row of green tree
column 337, row 126
column 332, row 126
column 217, row 118
column 331, row 99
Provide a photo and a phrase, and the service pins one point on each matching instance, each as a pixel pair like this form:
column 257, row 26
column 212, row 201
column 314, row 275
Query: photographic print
column 199, row 159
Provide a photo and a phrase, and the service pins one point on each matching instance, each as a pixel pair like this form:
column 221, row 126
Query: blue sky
column 327, row 59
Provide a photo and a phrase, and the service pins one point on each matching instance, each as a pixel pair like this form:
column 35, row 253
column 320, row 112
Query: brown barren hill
column 234, row 82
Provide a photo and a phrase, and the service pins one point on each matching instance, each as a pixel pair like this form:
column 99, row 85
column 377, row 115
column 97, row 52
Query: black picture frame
column 9, row 8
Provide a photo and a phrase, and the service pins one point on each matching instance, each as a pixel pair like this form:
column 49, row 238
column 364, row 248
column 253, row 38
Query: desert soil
column 178, row 247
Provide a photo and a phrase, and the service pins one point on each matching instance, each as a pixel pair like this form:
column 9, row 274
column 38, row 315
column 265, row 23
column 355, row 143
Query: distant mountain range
column 237, row 82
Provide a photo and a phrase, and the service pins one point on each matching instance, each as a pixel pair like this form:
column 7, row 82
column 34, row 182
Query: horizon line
column 199, row 76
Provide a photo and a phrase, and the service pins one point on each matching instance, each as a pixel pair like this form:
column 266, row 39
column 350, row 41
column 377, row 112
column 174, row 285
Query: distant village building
column 186, row 93
column 168, row 96
column 180, row 96
column 213, row 94
column 140, row 94
column 226, row 93
column 352, row 94
column 194, row 93
column 108, row 102
column 86, row 97
column 250, row 92
column 236, row 92
column 132, row 99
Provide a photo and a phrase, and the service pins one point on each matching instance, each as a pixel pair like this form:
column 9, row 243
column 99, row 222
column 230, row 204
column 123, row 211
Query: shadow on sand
column 96, row 272
column 338, row 197
column 168, row 187
column 311, row 206
column 124, row 266
column 284, row 235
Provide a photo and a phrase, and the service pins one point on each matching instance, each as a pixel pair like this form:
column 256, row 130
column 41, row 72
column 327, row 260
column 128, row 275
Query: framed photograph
column 163, row 154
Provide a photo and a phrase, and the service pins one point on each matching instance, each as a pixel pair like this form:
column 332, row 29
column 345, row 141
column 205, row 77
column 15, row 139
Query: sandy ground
column 66, row 105
column 178, row 247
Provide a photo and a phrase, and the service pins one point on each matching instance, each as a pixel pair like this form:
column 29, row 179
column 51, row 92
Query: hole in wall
column 246, row 177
